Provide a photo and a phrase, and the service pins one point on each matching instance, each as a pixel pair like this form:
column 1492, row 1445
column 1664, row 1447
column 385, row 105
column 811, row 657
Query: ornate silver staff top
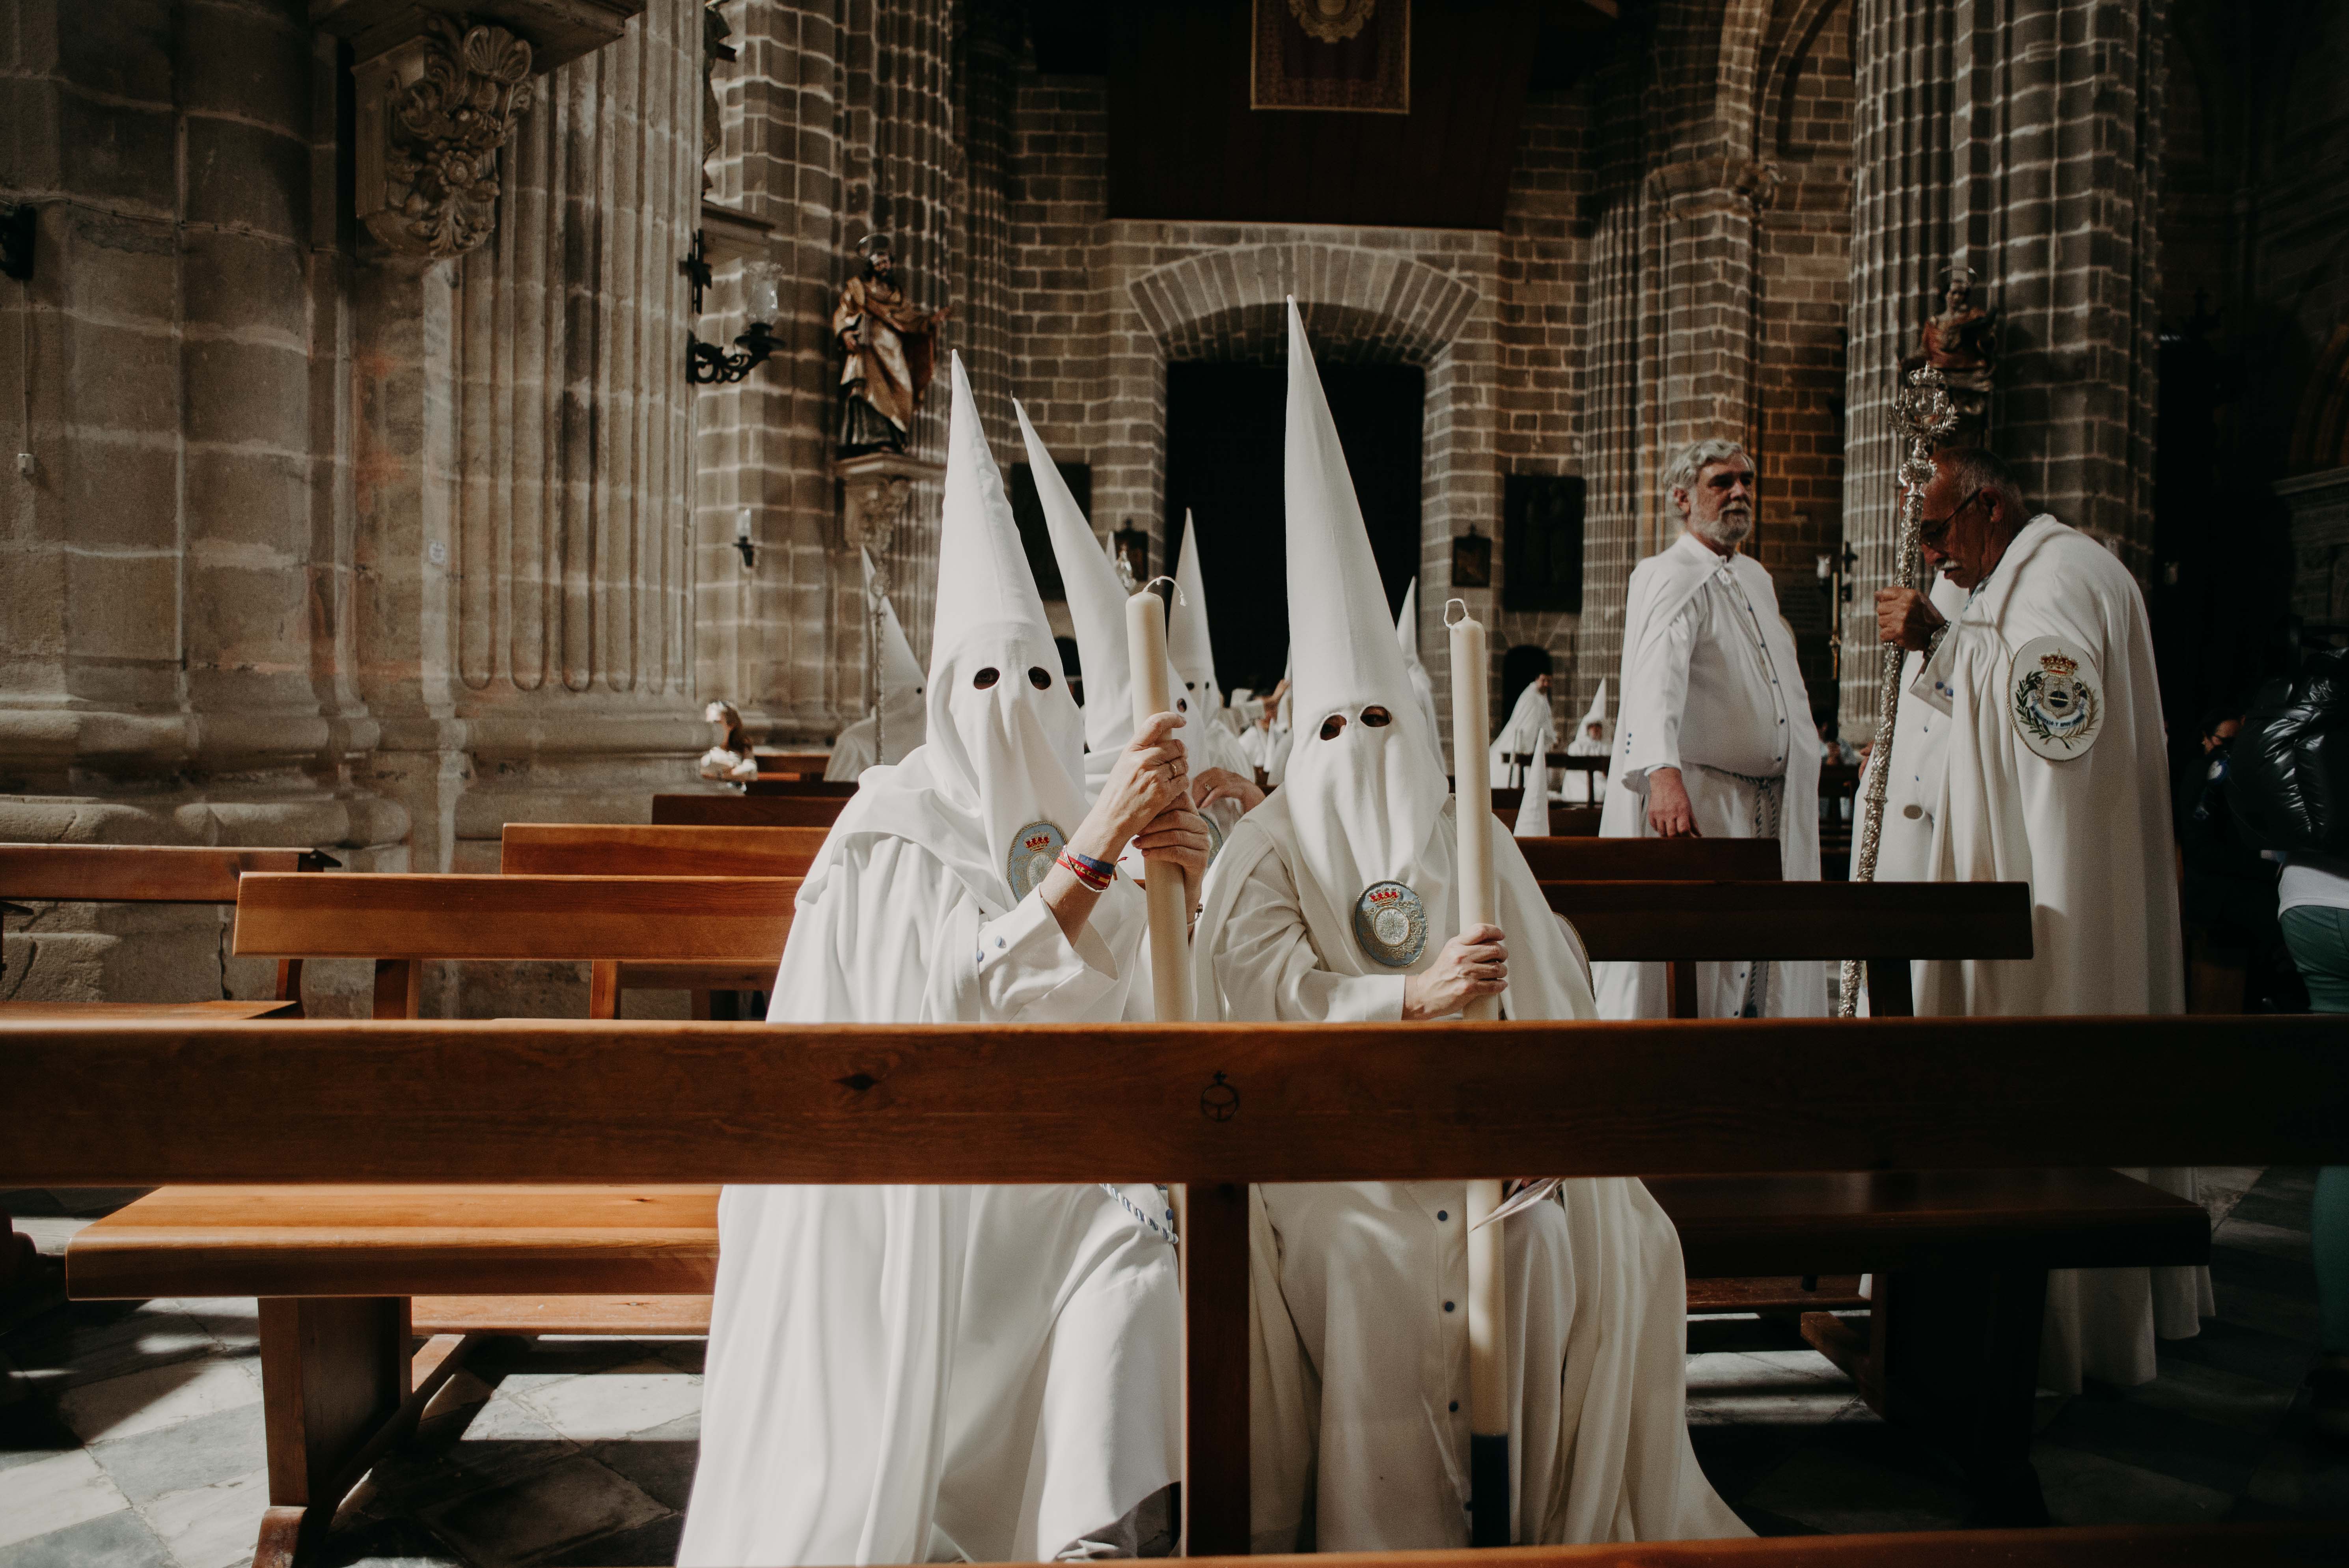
column 1922, row 413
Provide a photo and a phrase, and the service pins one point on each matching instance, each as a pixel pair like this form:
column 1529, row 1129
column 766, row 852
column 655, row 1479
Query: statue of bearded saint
column 889, row 347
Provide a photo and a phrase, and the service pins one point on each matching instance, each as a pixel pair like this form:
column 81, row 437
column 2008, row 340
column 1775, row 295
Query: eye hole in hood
column 1039, row 678
column 987, row 678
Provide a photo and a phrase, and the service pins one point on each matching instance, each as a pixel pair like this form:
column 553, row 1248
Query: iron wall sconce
column 708, row 364
column 742, row 539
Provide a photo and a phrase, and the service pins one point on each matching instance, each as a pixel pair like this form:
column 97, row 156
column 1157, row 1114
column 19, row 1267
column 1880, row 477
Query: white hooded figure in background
column 1097, row 614
column 1528, row 732
column 1407, row 639
column 1188, row 646
column 923, row 1373
column 1715, row 738
column 1589, row 740
column 1336, row 901
column 903, row 716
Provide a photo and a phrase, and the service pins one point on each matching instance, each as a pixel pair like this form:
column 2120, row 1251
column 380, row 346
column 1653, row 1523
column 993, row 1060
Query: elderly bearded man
column 2053, row 772
column 1714, row 737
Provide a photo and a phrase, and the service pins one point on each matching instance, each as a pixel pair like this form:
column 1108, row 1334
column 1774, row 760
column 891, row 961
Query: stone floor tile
column 2245, row 1352
column 2150, row 1438
column 2089, row 1488
column 50, row 1233
column 212, row 1526
column 656, row 1542
column 661, row 1467
column 2212, row 1394
column 157, row 1398
column 1840, row 1489
column 116, row 1540
column 686, row 1354
column 609, row 1404
column 30, row 1431
column 199, row 1452
column 2304, row 1479
column 52, row 1493
column 234, row 1320
column 2273, row 1241
column 392, row 1543
column 567, row 1504
column 2287, row 1314
column 88, row 1341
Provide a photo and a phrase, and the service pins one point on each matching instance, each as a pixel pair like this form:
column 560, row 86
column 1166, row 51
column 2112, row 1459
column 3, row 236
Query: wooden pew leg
column 1959, row 1359
column 1889, row 993
column 338, row 1387
column 398, row 989
column 1214, row 1256
column 1679, row 987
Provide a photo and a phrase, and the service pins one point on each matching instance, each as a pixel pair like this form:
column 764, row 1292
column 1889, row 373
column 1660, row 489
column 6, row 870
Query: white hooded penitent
column 912, row 1373
column 1528, row 732
column 1407, row 639
column 1325, row 899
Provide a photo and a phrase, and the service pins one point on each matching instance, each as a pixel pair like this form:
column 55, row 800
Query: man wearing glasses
column 1715, row 737
column 2052, row 771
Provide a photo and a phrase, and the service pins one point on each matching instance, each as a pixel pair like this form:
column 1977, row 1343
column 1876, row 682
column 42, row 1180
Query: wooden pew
column 1564, row 859
column 1887, row 923
column 601, row 850
column 746, row 810
column 1565, row 821
column 655, row 1103
column 666, row 932
column 135, row 874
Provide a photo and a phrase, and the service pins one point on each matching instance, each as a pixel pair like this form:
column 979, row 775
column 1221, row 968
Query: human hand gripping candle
column 1488, row 1353
column 1167, row 887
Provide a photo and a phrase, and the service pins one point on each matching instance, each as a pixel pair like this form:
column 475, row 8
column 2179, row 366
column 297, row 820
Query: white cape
column 2091, row 833
column 1662, row 586
column 1528, row 730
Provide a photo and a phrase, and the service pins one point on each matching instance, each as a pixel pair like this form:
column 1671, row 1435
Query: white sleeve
column 1266, row 967
column 1021, row 967
column 1655, row 699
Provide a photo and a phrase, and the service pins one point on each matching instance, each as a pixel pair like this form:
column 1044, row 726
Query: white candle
column 1170, row 916
column 1488, row 1353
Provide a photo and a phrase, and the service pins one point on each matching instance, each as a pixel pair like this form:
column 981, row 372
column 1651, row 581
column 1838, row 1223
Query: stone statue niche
column 888, row 350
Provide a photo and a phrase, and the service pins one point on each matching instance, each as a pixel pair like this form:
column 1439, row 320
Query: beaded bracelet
column 1069, row 861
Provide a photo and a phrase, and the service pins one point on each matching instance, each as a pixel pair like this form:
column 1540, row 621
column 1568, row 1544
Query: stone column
column 525, row 466
column 171, row 577
column 2019, row 141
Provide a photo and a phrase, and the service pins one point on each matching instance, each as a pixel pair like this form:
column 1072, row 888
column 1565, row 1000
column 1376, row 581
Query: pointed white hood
column 1370, row 803
column 1366, row 801
column 905, row 715
column 1097, row 611
column 1407, row 639
column 1596, row 715
column 1187, row 643
column 1002, row 746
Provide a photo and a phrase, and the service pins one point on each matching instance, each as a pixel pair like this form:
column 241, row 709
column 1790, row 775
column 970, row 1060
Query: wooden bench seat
column 643, row 1259
column 1589, row 859
column 2264, row 1546
column 793, row 786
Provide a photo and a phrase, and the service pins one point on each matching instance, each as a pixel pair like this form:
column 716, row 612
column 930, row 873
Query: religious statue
column 889, row 349
column 714, row 48
column 1960, row 344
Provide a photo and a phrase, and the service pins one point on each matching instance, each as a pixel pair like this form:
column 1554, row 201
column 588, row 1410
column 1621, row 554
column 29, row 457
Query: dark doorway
column 1225, row 428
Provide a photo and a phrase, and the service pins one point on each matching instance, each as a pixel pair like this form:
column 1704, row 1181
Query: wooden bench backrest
column 1565, row 821
column 599, row 849
column 136, row 873
column 793, row 787
column 399, row 921
column 1562, row 859
column 797, row 764
column 1886, row 924
column 746, row 811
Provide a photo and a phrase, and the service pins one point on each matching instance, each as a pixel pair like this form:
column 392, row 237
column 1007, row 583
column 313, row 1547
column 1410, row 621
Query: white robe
column 1711, row 686
column 1358, row 1372
column 912, row 1374
column 1921, row 732
column 851, row 752
column 2091, row 833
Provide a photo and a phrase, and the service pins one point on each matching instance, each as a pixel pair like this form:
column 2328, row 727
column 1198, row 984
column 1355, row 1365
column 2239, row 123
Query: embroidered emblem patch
column 1033, row 849
column 2057, row 704
column 1215, row 838
column 1390, row 924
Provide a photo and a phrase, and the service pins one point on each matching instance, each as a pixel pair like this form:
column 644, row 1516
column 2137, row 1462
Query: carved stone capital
column 876, row 493
column 439, row 92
